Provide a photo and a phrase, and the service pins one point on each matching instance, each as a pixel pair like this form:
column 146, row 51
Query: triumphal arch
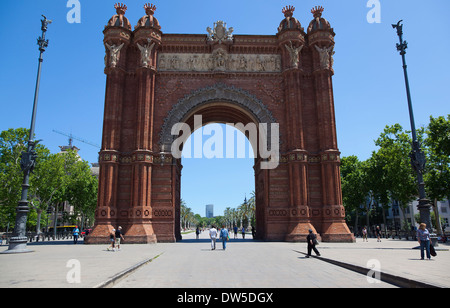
column 156, row 80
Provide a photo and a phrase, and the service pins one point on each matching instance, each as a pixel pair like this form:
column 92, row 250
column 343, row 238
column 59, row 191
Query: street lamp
column 18, row 242
column 417, row 156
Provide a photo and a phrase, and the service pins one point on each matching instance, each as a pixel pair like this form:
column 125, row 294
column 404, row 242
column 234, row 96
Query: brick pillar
column 293, row 49
column 331, row 221
column 116, row 40
column 140, row 228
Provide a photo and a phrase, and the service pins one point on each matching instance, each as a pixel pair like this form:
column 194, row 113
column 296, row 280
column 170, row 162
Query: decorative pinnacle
column 149, row 8
column 288, row 11
column 317, row 11
column 120, row 8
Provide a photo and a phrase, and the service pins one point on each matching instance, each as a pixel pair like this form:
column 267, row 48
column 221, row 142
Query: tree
column 12, row 143
column 439, row 135
column 393, row 155
column 82, row 191
column 187, row 217
column 354, row 191
column 377, row 184
column 437, row 176
column 51, row 183
column 246, row 212
column 252, row 208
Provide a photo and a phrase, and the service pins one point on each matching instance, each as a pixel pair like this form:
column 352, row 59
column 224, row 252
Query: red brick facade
column 155, row 80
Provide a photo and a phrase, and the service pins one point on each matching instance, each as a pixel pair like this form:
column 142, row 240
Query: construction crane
column 72, row 137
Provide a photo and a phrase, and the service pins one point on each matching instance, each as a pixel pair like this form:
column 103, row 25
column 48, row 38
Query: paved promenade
column 245, row 264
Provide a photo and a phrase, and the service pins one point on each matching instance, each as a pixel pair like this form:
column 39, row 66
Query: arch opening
column 226, row 181
column 236, row 137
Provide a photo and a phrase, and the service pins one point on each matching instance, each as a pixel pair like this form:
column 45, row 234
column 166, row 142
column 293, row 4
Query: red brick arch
column 155, row 80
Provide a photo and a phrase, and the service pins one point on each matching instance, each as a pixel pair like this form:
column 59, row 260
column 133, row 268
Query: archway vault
column 222, row 98
column 156, row 80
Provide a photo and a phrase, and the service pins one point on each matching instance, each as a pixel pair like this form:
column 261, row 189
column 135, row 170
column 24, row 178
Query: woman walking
column 364, row 234
column 423, row 236
column 112, row 239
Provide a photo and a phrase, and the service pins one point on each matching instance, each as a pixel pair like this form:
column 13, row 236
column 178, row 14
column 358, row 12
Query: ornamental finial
column 150, row 8
column 120, row 8
column 288, row 11
column 317, row 11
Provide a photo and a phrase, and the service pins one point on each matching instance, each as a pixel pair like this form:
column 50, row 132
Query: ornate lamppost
column 18, row 242
column 417, row 156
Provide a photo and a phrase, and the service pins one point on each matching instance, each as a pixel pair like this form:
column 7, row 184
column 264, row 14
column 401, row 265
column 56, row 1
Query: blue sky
column 368, row 84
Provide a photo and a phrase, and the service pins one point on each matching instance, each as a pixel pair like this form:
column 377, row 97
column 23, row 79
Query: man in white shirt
column 213, row 236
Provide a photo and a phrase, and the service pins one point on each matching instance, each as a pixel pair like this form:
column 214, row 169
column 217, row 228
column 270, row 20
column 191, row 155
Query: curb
column 385, row 277
column 116, row 278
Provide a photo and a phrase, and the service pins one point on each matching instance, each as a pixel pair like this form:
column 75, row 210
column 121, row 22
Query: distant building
column 209, row 210
column 398, row 217
column 95, row 169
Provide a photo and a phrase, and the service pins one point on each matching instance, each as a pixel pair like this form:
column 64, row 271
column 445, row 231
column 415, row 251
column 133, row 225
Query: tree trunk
column 356, row 221
column 438, row 220
column 38, row 223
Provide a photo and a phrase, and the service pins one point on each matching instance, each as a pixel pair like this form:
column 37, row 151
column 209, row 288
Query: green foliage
column 437, row 178
column 388, row 175
column 354, row 192
column 12, row 143
column 55, row 179
column 393, row 155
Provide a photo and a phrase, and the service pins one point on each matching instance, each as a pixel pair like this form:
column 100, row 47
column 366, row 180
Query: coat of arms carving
column 220, row 33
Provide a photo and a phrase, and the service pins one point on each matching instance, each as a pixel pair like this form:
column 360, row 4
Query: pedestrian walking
column 75, row 233
column 364, row 234
column 312, row 242
column 224, row 236
column 235, row 229
column 423, row 236
column 213, row 236
column 118, row 237
column 378, row 233
column 243, row 232
column 112, row 239
column 197, row 232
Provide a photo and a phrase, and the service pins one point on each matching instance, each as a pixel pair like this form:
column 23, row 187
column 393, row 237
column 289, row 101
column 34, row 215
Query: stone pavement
column 245, row 264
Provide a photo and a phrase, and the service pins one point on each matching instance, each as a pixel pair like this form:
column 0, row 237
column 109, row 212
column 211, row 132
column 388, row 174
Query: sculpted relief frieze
column 219, row 60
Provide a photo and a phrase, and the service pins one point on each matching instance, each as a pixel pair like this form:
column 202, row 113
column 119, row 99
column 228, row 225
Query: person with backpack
column 225, row 237
column 423, row 236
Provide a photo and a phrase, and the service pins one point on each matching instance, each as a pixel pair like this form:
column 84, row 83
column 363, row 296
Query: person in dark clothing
column 312, row 242
column 118, row 237
column 197, row 232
